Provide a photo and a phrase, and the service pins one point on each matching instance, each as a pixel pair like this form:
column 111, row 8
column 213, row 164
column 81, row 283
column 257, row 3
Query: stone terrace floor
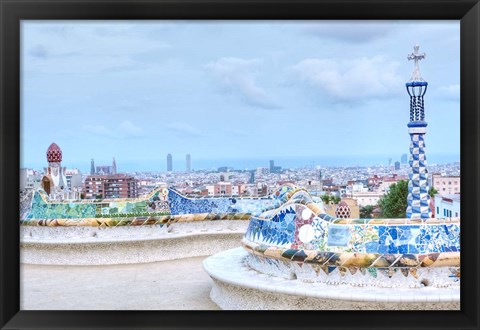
column 175, row 284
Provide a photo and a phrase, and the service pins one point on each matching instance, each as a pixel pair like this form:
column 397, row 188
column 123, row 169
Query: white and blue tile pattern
column 180, row 204
column 418, row 199
column 294, row 233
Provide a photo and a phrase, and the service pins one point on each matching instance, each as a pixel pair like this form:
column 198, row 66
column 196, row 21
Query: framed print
column 277, row 164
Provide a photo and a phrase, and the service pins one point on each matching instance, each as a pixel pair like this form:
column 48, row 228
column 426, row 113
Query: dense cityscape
column 357, row 186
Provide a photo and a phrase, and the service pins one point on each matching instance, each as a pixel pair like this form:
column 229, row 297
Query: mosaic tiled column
column 418, row 199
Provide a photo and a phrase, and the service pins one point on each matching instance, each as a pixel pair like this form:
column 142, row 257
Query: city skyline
column 178, row 165
column 327, row 98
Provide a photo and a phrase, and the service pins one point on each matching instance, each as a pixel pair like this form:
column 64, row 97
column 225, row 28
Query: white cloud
column 99, row 130
column 451, row 92
column 86, row 48
column 125, row 130
column 38, row 51
column 238, row 132
column 238, row 76
column 355, row 32
column 184, row 130
column 129, row 130
column 351, row 80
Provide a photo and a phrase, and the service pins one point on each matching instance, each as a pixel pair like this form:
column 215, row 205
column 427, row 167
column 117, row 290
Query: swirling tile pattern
column 295, row 233
column 180, row 204
column 160, row 206
column 155, row 204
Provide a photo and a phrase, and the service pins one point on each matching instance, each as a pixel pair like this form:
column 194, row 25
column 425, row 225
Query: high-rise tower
column 418, row 199
column 114, row 166
column 320, row 183
column 92, row 167
column 188, row 163
column 169, row 163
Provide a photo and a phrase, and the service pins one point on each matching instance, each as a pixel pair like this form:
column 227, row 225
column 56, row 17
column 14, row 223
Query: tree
column 394, row 203
column 325, row 199
column 366, row 212
column 330, row 198
column 432, row 191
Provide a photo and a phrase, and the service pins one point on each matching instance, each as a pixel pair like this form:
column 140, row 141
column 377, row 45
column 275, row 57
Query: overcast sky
column 138, row 90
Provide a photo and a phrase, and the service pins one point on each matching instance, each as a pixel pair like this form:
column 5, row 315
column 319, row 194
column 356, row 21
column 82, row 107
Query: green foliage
column 366, row 212
column 394, row 203
column 325, row 199
column 330, row 198
column 432, row 191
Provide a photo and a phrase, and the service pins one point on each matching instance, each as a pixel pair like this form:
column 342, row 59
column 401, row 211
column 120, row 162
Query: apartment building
column 110, row 186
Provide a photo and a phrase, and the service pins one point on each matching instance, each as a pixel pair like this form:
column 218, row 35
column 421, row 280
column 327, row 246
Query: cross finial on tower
column 415, row 56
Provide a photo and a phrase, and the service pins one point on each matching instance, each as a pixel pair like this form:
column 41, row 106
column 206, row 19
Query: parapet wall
column 236, row 286
column 294, row 242
column 95, row 245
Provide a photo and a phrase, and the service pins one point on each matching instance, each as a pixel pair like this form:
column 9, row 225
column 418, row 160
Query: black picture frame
column 13, row 11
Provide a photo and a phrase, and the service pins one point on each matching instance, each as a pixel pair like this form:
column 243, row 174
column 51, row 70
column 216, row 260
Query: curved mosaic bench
column 297, row 257
column 236, row 286
column 295, row 241
column 174, row 207
column 161, row 206
column 72, row 232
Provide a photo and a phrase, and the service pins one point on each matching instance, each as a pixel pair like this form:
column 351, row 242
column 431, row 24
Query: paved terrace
column 175, row 284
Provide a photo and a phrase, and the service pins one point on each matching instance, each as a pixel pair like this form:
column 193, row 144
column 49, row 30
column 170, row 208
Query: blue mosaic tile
column 180, row 204
column 412, row 249
column 372, row 247
column 338, row 235
column 403, row 249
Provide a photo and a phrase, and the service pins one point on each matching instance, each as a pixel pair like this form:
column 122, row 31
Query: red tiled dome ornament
column 342, row 211
column 54, row 153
